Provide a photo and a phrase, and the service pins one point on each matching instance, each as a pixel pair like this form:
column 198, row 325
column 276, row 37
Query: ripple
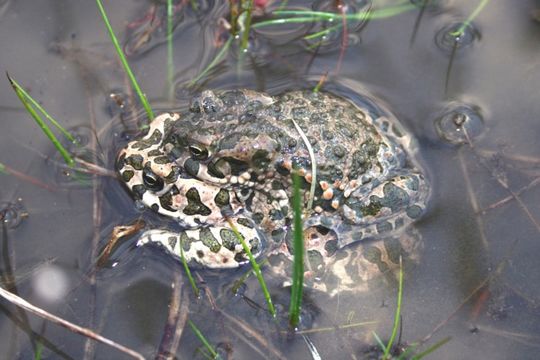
column 67, row 177
column 12, row 213
column 333, row 28
column 459, row 123
column 456, row 37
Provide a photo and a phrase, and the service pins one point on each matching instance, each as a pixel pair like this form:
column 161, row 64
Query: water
column 477, row 281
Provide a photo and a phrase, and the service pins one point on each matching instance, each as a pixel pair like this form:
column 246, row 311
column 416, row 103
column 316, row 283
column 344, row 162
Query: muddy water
column 477, row 281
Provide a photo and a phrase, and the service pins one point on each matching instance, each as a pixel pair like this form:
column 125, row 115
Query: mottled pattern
column 231, row 156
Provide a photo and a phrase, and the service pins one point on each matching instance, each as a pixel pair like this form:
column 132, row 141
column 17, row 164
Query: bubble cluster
column 459, row 124
column 12, row 213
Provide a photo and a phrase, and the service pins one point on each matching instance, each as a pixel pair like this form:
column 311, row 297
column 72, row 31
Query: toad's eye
column 152, row 181
column 198, row 152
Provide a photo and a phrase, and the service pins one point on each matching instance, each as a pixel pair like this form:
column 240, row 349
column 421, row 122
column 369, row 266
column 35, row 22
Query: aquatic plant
column 125, row 64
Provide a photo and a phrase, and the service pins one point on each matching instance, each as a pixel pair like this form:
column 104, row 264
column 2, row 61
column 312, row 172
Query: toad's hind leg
column 214, row 246
column 378, row 209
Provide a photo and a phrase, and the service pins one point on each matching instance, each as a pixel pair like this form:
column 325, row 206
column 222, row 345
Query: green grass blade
column 397, row 315
column 39, row 350
column 247, row 25
column 298, row 251
column 217, row 59
column 188, row 272
column 243, row 278
column 124, row 62
column 64, row 132
column 323, row 32
column 203, row 340
column 378, row 340
column 170, row 60
column 431, row 349
column 471, row 17
column 256, row 269
column 314, row 16
column 44, row 127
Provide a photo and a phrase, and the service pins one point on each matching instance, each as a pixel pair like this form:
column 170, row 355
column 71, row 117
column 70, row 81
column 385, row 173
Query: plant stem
column 298, row 251
column 256, row 268
column 397, row 315
column 21, row 94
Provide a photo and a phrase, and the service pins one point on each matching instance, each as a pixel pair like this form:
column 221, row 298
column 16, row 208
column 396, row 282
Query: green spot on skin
column 229, row 239
column 138, row 191
column 155, row 152
column 372, row 209
column 143, row 144
column 315, row 259
column 127, row 175
column 185, row 241
column 162, row 160
column 384, row 227
column 245, row 222
column 414, row 211
column 209, row 240
column 166, row 202
column 195, row 206
column 192, row 167
column 331, row 247
column 260, row 159
column 222, row 198
column 136, row 161
column 374, row 256
column 278, row 235
column 172, row 241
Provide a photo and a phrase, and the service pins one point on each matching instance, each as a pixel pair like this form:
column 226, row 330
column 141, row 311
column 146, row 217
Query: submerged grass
column 431, row 349
column 303, row 16
column 248, row 7
column 471, row 17
column 298, row 251
column 27, row 101
column 188, row 272
column 124, row 62
column 256, row 269
column 214, row 62
column 203, row 340
column 397, row 315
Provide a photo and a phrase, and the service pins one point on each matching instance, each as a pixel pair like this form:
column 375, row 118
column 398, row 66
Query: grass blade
column 431, row 349
column 471, row 17
column 217, row 59
column 44, row 127
column 188, row 272
column 298, row 251
column 397, row 315
column 203, row 340
column 124, row 62
column 256, row 269
column 247, row 25
column 64, row 132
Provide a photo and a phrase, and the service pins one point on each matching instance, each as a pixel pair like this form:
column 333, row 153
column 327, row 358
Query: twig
column 176, row 321
column 20, row 302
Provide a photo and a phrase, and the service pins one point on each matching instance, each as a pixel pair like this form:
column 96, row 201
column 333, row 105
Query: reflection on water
column 470, row 101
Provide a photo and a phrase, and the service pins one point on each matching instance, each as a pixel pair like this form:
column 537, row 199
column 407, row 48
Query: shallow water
column 479, row 275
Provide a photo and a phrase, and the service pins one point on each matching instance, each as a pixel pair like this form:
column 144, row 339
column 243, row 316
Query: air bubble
column 12, row 213
column 456, row 37
column 459, row 124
